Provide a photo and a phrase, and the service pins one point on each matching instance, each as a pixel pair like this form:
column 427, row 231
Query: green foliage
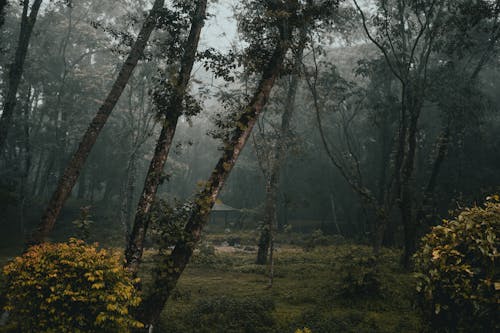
column 459, row 278
column 205, row 255
column 69, row 287
column 360, row 278
column 228, row 314
column 168, row 223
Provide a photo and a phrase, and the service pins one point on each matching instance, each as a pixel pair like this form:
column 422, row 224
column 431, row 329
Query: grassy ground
column 323, row 283
column 329, row 288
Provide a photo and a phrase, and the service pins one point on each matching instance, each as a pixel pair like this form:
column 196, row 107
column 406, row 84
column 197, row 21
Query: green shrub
column 360, row 278
column 228, row 314
column 68, row 287
column 458, row 272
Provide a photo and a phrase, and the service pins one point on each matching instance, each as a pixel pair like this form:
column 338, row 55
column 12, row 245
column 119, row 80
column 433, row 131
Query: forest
column 297, row 166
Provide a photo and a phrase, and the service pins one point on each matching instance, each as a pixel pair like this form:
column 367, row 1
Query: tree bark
column 127, row 194
column 407, row 197
column 173, row 265
column 68, row 179
column 16, row 68
column 173, row 111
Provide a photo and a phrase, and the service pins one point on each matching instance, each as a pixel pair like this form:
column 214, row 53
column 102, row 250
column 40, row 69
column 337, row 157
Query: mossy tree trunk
column 173, row 265
column 173, row 110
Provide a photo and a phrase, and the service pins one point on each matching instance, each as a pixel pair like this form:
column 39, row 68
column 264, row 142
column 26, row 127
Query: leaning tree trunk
column 16, row 68
column 173, row 110
column 68, row 179
column 169, row 271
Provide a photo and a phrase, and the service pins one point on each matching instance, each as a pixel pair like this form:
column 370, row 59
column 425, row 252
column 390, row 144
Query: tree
column 73, row 169
column 346, row 102
column 277, row 23
column 171, row 109
column 409, row 35
column 276, row 155
column 28, row 19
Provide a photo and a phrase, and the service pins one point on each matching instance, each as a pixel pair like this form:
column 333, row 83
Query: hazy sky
column 220, row 29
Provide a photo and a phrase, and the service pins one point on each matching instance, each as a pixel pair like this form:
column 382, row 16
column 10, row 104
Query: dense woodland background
column 383, row 119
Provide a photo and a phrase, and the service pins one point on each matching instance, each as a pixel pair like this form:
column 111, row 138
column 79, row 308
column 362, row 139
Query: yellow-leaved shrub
column 69, row 287
column 458, row 271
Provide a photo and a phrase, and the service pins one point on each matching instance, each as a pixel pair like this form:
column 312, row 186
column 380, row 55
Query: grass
column 335, row 288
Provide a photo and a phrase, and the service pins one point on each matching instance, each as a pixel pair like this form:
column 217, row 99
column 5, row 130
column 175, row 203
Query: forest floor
column 324, row 283
column 334, row 287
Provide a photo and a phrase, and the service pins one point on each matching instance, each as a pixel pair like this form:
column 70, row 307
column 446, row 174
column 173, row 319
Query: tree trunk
column 73, row 169
column 407, row 198
column 273, row 176
column 16, row 68
column 426, row 204
column 268, row 223
column 128, row 194
column 173, row 111
column 35, row 188
column 169, row 271
column 27, row 161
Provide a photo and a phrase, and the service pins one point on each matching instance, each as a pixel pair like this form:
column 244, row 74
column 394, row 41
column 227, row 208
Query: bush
column 68, row 287
column 228, row 314
column 359, row 278
column 458, row 277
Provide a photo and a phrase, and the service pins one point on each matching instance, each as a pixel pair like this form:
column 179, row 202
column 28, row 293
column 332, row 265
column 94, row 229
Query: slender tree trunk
column 268, row 223
column 36, row 187
column 16, row 68
column 173, row 111
column 73, row 169
column 128, row 194
column 426, row 204
column 173, row 265
column 273, row 176
column 27, row 162
column 407, row 198
column 47, row 176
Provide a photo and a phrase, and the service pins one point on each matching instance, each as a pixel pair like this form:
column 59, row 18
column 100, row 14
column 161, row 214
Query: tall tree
column 171, row 111
column 68, row 179
column 28, row 19
column 412, row 37
column 406, row 34
column 276, row 159
column 279, row 20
